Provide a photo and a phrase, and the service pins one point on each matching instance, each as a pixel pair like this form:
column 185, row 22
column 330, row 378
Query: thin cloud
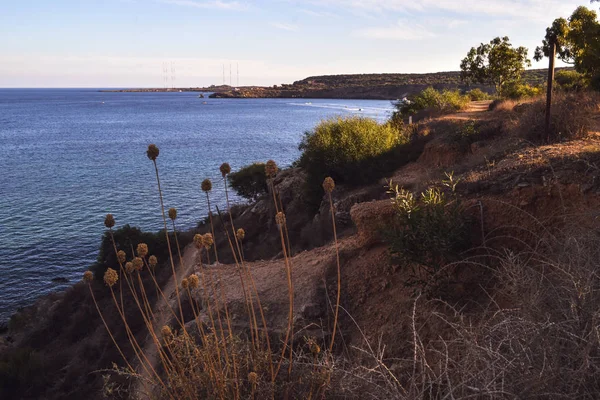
column 318, row 14
column 522, row 9
column 285, row 27
column 402, row 31
column 210, row 4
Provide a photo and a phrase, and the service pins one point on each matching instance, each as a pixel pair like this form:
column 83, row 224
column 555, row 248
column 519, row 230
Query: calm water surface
column 68, row 157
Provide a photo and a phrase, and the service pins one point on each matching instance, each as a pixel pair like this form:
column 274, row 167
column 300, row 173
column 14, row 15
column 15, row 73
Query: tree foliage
column 577, row 41
column 497, row 63
column 250, row 181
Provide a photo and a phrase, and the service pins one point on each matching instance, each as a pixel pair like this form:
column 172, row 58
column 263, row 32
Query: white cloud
column 523, row 9
column 401, row 31
column 208, row 4
column 285, row 27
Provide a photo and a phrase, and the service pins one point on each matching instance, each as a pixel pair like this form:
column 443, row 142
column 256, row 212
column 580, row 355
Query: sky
column 128, row 43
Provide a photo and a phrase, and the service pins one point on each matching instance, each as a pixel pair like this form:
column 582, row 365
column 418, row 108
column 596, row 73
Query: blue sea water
column 69, row 156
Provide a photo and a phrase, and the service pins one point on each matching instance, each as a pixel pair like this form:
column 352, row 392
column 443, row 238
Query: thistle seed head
column 280, row 219
column 207, row 240
column 271, row 169
column 198, row 240
column 129, row 268
column 328, row 184
column 142, row 250
column 225, row 169
column 173, row 213
column 240, row 234
column 194, row 281
column 109, row 221
column 253, row 378
column 166, row 332
column 152, row 152
column 206, row 185
column 88, row 276
column 152, row 261
column 138, row 263
column 121, row 256
column 111, row 277
column 313, row 346
column 185, row 283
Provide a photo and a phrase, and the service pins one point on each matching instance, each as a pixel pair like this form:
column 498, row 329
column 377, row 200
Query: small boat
column 201, row 96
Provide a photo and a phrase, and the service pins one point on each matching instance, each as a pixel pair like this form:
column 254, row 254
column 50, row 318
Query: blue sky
column 125, row 43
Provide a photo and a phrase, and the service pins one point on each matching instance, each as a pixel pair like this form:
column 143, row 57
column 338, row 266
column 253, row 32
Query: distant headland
column 356, row 86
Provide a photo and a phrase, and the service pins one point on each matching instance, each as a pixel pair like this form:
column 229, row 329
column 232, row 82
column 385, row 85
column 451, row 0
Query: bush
column 126, row 239
column 571, row 80
column 19, row 367
column 518, row 90
column 250, row 181
column 427, row 231
column 336, row 147
column 478, row 95
column 571, row 118
column 447, row 101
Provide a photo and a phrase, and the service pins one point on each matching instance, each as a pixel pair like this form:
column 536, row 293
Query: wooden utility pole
column 551, row 58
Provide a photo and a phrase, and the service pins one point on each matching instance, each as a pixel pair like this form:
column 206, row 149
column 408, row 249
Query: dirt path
column 475, row 110
column 163, row 316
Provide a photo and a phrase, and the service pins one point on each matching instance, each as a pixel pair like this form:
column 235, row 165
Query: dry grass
column 203, row 357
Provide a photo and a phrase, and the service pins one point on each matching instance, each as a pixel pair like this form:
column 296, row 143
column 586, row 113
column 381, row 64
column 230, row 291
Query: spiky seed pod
column 207, row 240
column 138, row 263
column 328, row 184
column 152, row 261
column 280, row 219
column 152, row 152
column 109, row 221
column 253, row 378
column 206, row 185
column 88, row 276
column 313, row 346
column 271, row 169
column 198, row 240
column 121, row 256
column 225, row 169
column 240, row 234
column 142, row 250
column 173, row 213
column 166, row 332
column 111, row 277
column 185, row 283
column 194, row 281
column 129, row 268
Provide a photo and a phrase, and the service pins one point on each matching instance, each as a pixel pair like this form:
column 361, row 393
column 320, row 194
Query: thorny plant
column 204, row 357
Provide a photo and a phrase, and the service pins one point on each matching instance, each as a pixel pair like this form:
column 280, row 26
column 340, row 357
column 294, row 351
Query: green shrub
column 352, row 151
column 518, row 90
column 446, row 101
column 250, row 181
column 19, row 367
column 335, row 146
column 478, row 95
column 571, row 80
column 127, row 239
column 427, row 232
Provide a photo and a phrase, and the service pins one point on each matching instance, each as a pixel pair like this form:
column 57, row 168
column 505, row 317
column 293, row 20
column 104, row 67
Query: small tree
column 496, row 63
column 577, row 41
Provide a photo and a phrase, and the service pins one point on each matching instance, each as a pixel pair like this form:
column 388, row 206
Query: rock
column 369, row 217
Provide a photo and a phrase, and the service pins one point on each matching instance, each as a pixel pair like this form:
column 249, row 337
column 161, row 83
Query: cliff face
column 58, row 346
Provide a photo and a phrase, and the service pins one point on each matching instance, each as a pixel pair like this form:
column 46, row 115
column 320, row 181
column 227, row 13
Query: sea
column 70, row 156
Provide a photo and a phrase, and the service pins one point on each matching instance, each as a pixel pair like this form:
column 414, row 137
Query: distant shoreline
column 348, row 87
